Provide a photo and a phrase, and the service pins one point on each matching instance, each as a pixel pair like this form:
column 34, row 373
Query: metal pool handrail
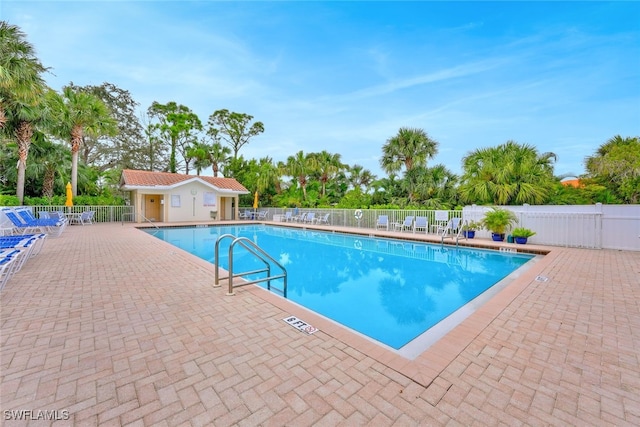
column 259, row 253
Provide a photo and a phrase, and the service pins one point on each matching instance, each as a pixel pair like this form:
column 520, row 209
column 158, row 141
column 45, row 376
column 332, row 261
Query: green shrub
column 522, row 232
column 6, row 200
column 497, row 220
column 472, row 226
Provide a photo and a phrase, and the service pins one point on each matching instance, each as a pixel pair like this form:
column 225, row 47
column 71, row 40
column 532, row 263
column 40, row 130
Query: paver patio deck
column 111, row 326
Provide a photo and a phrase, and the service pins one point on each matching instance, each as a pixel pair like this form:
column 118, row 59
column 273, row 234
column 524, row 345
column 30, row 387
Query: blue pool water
column 389, row 290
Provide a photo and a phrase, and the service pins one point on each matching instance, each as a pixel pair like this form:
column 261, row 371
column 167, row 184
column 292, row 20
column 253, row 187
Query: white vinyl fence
column 577, row 226
column 580, row 226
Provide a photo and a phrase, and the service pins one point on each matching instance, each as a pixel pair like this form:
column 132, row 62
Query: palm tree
column 616, row 165
column 219, row 157
column 79, row 113
column 22, row 89
column 199, row 153
column 269, row 174
column 385, row 190
column 409, row 148
column 23, row 121
column 327, row 165
column 300, row 166
column 360, row 177
column 50, row 158
column 510, row 173
column 21, row 83
column 355, row 174
column 435, row 187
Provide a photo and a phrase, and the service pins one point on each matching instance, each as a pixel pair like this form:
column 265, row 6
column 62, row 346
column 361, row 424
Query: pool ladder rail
column 457, row 235
column 259, row 253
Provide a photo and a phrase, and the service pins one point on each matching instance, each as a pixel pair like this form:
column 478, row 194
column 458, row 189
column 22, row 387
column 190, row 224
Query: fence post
column 599, row 214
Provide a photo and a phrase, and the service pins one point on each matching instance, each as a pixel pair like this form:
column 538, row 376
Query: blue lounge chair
column 8, row 262
column 14, row 252
column 27, row 216
column 31, row 242
column 53, row 225
column 22, row 227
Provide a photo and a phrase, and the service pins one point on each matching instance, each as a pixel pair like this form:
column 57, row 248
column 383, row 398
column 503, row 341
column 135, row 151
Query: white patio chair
column 420, row 224
column 85, row 217
column 324, row 219
column 451, row 228
column 382, row 222
column 406, row 225
column 441, row 220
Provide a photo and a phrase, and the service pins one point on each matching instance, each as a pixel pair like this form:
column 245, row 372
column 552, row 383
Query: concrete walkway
column 111, row 326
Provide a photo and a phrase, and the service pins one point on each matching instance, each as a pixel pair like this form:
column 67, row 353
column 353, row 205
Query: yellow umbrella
column 255, row 201
column 69, row 201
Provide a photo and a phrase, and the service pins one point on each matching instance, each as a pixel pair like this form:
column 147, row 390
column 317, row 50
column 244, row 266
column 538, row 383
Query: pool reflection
column 389, row 290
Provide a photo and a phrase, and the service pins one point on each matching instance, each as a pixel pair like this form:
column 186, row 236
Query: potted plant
column 521, row 234
column 469, row 229
column 497, row 220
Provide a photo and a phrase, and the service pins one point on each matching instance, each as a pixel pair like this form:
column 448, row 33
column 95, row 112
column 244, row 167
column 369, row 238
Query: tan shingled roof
column 137, row 178
column 572, row 183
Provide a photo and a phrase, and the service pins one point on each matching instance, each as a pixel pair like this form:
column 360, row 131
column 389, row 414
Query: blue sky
column 345, row 76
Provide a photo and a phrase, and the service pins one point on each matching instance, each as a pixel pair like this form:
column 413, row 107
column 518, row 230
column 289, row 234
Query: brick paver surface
column 111, row 326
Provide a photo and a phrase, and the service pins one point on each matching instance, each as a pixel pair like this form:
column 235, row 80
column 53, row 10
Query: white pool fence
column 580, row 226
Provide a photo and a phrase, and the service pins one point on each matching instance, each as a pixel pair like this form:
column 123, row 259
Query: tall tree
column 21, row 72
column 327, row 165
column 435, row 187
column 22, row 122
column 508, row 174
column 22, row 89
column 123, row 149
column 386, row 189
column 219, row 157
column 409, row 148
column 178, row 125
column 616, row 165
column 300, row 166
column 360, row 177
column 199, row 153
column 51, row 158
column 269, row 176
column 81, row 113
column 233, row 128
column 153, row 153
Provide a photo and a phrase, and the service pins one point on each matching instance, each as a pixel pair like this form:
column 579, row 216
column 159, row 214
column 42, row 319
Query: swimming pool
column 389, row 290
